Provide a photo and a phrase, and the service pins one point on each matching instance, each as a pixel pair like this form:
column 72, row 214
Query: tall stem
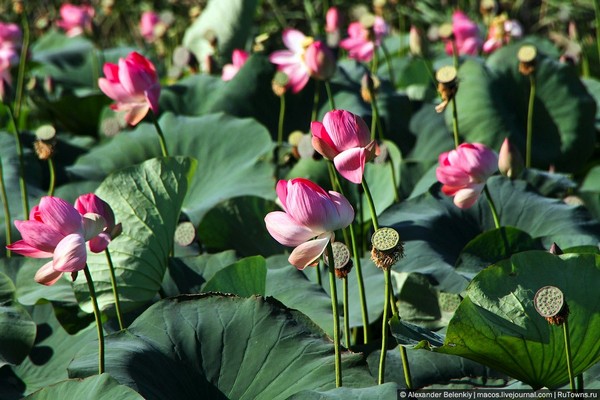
column 161, row 136
column 98, row 318
column 347, row 337
column 403, row 355
column 371, row 204
column 568, row 355
column 318, row 272
column 455, row 122
column 384, row 327
column 113, row 282
column 22, row 63
column 336, row 318
column 530, row 120
column 22, row 184
column 492, row 206
column 281, row 119
column 52, row 172
column 5, row 205
column 330, row 95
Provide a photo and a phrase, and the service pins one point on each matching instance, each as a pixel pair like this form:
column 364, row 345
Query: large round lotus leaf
column 493, row 100
column 221, row 346
column 497, row 324
column 231, row 155
column 435, row 230
column 99, row 387
column 146, row 200
column 17, row 330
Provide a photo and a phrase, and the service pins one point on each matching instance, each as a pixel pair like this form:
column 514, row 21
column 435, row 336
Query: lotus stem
column 315, row 108
column 22, row 62
column 113, row 283
column 5, row 205
column 403, row 354
column 455, row 122
column 22, row 184
column 330, row 95
column 384, row 328
column 388, row 61
column 346, row 314
column 492, row 206
column 318, row 271
column 530, row 120
column 336, row 319
column 98, row 319
column 161, row 136
column 568, row 354
column 394, row 183
column 454, row 54
column 371, row 204
column 52, row 172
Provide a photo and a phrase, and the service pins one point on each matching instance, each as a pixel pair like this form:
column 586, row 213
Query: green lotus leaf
column 498, row 325
column 435, row 230
column 222, row 347
column 384, row 391
column 17, row 330
column 493, row 100
column 245, row 278
column 230, row 152
column 95, row 387
column 146, row 200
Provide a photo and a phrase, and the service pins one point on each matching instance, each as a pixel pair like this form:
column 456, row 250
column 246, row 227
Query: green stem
column 22, row 184
column 5, row 205
column 403, row 355
column 22, row 63
column 388, row 61
column 377, row 117
column 161, row 136
column 98, row 318
column 52, row 172
column 394, row 183
column 318, row 271
column 336, row 319
column 579, row 379
column 384, row 327
column 113, row 282
column 530, row 121
column 330, row 95
column 492, row 206
column 315, row 109
column 371, row 204
column 281, row 119
column 568, row 355
column 455, row 122
column 346, row 314
column 454, row 54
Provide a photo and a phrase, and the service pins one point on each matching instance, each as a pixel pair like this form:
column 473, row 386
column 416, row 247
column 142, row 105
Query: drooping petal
column 60, row 215
column 321, row 141
column 239, row 57
column 99, row 243
column 351, row 164
column 308, row 252
column 24, row 249
column 136, row 113
column 286, row 230
column 453, row 176
column 152, row 95
column 282, row 190
column 47, row 275
column 70, row 254
column 113, row 90
column 293, row 39
column 93, row 224
column 284, row 57
column 344, row 209
column 466, row 197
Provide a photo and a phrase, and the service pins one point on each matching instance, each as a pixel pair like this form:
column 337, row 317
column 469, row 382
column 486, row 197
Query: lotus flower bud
column 415, row 41
column 510, row 161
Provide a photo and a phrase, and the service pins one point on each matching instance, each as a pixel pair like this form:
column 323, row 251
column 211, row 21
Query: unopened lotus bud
column 332, row 20
column 510, row 161
column 279, row 83
column 45, row 142
column 415, row 41
column 550, row 303
column 527, row 56
column 554, row 249
column 342, row 260
column 369, row 85
column 447, row 86
column 387, row 248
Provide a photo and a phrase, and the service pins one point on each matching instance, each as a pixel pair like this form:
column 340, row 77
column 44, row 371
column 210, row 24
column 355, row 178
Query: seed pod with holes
column 341, row 257
column 387, row 248
column 549, row 302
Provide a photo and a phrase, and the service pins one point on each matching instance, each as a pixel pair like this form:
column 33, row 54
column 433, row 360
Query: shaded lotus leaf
column 493, row 101
column 245, row 278
column 53, row 350
column 95, row 387
column 17, row 330
column 146, row 200
column 239, row 224
column 430, row 370
column 435, row 231
column 384, row 391
column 498, row 325
column 222, row 347
column 230, row 152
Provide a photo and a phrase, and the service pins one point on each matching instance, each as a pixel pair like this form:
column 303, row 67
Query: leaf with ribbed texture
column 100, row 387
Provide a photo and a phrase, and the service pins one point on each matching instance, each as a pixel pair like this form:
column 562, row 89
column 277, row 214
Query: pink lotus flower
column 238, row 58
column 510, row 161
column 10, row 44
column 304, row 58
column 133, row 84
column 90, row 203
column 344, row 138
column 148, row 24
column 466, row 35
column 309, row 211
column 464, row 172
column 502, row 30
column 361, row 44
column 56, row 229
column 75, row 20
